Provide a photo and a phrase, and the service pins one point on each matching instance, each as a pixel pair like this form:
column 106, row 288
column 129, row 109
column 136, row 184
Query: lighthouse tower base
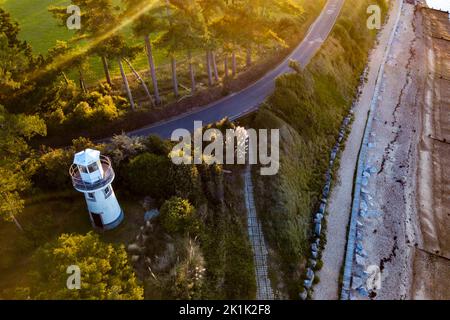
column 104, row 209
column 111, row 225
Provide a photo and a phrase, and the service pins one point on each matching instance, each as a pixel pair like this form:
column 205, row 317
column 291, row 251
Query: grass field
column 37, row 25
column 41, row 31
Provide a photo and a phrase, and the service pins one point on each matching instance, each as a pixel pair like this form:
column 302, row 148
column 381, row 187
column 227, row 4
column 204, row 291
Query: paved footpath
column 263, row 287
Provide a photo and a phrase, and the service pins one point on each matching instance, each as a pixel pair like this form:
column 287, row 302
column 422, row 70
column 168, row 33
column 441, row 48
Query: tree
column 210, row 10
column 100, row 20
column 99, row 28
column 171, row 38
column 78, row 62
column 104, row 269
column 118, row 49
column 26, row 81
column 148, row 22
column 16, row 166
column 16, row 59
column 191, row 31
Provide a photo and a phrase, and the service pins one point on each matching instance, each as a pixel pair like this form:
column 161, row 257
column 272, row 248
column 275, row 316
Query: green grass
column 37, row 25
column 41, row 31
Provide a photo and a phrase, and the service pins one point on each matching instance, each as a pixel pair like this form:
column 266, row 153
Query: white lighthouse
column 92, row 175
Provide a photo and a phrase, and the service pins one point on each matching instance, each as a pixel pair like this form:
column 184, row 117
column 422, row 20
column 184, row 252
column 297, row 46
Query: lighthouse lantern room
column 92, row 174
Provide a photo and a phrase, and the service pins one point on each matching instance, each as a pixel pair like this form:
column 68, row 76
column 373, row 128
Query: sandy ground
column 341, row 196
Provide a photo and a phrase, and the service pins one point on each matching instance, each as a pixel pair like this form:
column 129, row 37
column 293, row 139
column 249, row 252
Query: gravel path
column 341, row 197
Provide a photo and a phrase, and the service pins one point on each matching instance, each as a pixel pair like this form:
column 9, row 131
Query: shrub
column 319, row 265
column 105, row 270
column 123, row 147
column 186, row 182
column 189, row 274
column 147, row 175
column 105, row 109
column 82, row 143
column 82, row 112
column 56, row 117
column 156, row 145
column 177, row 216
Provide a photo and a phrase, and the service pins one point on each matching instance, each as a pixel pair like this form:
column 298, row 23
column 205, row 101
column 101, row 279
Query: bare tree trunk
column 234, row 67
column 191, row 72
column 141, row 81
column 82, row 82
column 225, row 66
column 125, row 81
column 208, row 68
column 19, row 226
column 66, row 80
column 249, row 57
column 106, row 69
column 216, row 73
column 174, row 76
column 151, row 63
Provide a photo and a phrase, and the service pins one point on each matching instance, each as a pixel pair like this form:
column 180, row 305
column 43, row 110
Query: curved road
column 237, row 104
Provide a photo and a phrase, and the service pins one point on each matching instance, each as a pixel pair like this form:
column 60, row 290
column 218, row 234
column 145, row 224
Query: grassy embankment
column 308, row 108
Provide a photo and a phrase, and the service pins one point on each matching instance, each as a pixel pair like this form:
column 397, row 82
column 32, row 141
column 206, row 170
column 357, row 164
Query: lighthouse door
column 97, row 218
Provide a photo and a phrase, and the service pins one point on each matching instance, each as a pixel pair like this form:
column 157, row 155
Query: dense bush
column 147, row 175
column 178, row 216
column 105, row 272
column 95, row 108
column 122, row 148
column 185, row 182
column 53, row 172
column 67, row 107
column 53, row 165
column 156, row 145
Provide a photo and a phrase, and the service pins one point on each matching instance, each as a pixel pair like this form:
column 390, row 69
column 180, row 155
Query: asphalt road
column 237, row 104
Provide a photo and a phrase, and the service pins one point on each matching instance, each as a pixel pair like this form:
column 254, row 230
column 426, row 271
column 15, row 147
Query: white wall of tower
column 107, row 206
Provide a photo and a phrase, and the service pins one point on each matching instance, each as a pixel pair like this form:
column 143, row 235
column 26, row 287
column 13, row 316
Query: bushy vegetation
column 147, row 175
column 177, row 215
column 179, row 274
column 105, row 272
column 16, row 162
column 308, row 107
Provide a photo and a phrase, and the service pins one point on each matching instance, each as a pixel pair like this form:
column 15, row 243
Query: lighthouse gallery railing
column 84, row 186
